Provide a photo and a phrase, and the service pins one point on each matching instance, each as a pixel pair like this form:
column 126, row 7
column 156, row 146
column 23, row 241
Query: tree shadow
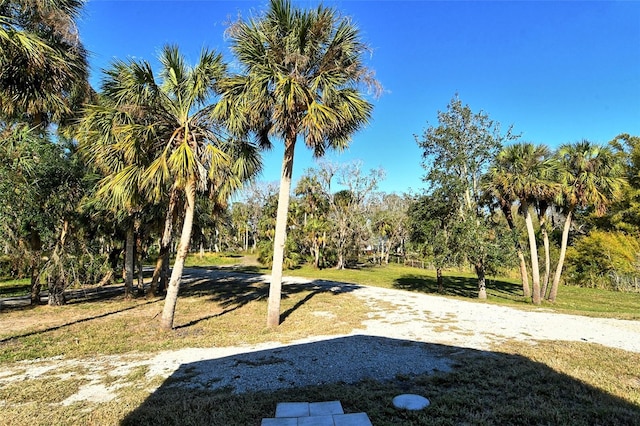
column 458, row 286
column 232, row 290
column 78, row 321
column 465, row 386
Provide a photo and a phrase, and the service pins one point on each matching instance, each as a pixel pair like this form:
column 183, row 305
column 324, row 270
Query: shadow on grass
column 459, row 286
column 232, row 290
column 365, row 373
column 78, row 321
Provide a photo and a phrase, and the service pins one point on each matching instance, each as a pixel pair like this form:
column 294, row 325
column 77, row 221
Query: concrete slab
column 354, row 419
column 410, row 401
column 326, row 408
column 316, row 421
column 282, row 421
column 292, row 409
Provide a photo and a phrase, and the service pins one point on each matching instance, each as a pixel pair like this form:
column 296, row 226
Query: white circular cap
column 410, row 402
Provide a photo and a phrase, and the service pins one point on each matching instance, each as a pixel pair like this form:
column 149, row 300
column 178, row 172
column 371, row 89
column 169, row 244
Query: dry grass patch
column 44, row 390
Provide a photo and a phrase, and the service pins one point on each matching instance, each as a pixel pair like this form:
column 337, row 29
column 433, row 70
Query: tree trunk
column 275, row 288
column 439, row 280
column 35, row 246
column 563, row 251
column 140, row 283
column 57, row 280
column 128, row 262
column 533, row 250
column 482, row 283
column 183, row 249
column 388, row 253
column 524, row 275
column 165, row 272
column 56, row 291
column 159, row 277
column 547, row 261
column 316, row 255
column 153, row 287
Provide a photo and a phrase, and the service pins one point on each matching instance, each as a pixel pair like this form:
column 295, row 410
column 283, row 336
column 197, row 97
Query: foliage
column 43, row 64
column 591, row 179
column 624, row 213
column 605, row 260
column 456, row 154
column 41, row 184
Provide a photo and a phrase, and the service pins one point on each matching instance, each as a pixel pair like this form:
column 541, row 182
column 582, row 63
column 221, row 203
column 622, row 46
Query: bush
column 605, row 260
column 292, row 257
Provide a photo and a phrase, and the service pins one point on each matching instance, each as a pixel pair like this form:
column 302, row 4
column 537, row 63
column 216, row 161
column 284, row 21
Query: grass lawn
column 514, row 383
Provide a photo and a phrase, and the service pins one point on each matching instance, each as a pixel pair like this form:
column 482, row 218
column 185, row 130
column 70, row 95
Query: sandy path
column 436, row 319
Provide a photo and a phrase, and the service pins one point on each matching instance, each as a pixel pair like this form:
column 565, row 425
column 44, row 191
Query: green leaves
column 302, row 72
column 591, row 175
column 161, row 127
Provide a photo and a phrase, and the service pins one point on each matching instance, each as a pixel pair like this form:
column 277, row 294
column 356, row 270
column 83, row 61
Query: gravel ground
column 415, row 336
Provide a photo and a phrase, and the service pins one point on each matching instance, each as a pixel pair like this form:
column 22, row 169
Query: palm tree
column 520, row 173
column 301, row 76
column 591, row 177
column 43, row 64
column 493, row 183
column 162, row 142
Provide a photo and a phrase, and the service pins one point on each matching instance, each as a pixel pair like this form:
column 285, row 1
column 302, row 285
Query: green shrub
column 605, row 260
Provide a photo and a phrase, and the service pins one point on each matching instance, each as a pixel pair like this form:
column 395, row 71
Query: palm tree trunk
column 563, row 251
column 128, row 261
column 183, row 249
column 165, row 242
column 524, row 275
column 533, row 249
column 543, row 206
column 547, row 261
column 138, row 257
column 153, row 287
column 275, row 288
column 165, row 271
column 316, row 254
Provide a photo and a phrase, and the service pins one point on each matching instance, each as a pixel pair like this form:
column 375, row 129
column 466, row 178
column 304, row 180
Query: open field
column 101, row 361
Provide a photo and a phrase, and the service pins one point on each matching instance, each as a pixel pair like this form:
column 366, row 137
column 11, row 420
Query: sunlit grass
column 503, row 291
column 212, row 259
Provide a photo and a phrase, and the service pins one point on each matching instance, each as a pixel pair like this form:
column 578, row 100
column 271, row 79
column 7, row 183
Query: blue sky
column 557, row 71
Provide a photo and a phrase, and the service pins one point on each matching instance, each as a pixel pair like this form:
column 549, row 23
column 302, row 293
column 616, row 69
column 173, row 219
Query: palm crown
column 300, row 75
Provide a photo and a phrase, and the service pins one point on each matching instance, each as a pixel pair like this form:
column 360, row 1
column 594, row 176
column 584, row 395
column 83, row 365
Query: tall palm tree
column 591, row 177
column 302, row 73
column 520, row 173
column 162, row 142
column 493, row 184
column 43, row 64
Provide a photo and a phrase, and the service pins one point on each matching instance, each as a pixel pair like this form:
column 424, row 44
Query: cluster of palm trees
column 159, row 138
column 577, row 176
